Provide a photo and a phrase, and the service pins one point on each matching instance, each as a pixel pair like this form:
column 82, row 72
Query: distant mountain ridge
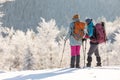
column 24, row 14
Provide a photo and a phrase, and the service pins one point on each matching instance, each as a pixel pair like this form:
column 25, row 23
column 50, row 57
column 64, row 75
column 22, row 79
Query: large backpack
column 78, row 30
column 99, row 35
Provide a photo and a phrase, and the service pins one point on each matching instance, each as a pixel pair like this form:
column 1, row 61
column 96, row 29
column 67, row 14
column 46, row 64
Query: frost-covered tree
column 47, row 33
column 29, row 50
column 109, row 50
column 28, row 60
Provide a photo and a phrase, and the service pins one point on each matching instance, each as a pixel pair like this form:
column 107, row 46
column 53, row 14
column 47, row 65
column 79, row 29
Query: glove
column 87, row 36
column 84, row 39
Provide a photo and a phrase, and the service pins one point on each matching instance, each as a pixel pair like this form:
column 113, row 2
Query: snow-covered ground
column 23, row 54
column 97, row 73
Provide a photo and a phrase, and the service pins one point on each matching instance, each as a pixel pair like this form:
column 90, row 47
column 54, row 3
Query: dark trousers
column 93, row 49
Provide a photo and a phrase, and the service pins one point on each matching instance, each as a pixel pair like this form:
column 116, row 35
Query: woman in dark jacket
column 93, row 45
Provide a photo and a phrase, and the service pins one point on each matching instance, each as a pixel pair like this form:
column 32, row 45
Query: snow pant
column 93, row 49
column 75, row 56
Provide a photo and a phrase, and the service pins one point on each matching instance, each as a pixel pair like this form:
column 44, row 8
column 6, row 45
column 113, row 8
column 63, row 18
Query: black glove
column 84, row 39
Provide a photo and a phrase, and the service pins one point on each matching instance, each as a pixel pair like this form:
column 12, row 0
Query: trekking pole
column 107, row 60
column 108, row 50
column 62, row 53
column 83, row 52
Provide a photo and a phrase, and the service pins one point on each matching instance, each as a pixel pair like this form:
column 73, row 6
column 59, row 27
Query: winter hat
column 88, row 20
column 76, row 16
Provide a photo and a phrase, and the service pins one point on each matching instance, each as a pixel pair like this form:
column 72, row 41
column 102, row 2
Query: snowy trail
column 103, row 73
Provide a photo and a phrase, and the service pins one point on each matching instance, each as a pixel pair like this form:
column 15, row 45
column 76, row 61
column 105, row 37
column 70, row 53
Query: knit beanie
column 88, row 20
column 76, row 16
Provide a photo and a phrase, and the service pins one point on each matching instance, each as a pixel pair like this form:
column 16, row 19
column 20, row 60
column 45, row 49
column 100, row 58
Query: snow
column 96, row 73
column 23, row 55
column 3, row 1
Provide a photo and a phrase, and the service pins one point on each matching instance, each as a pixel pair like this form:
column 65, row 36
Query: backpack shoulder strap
column 72, row 27
column 94, row 33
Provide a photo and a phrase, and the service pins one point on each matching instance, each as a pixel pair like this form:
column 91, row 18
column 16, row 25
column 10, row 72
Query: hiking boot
column 77, row 61
column 72, row 63
column 78, row 67
column 72, row 66
column 98, row 61
column 89, row 59
column 98, row 64
column 88, row 64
